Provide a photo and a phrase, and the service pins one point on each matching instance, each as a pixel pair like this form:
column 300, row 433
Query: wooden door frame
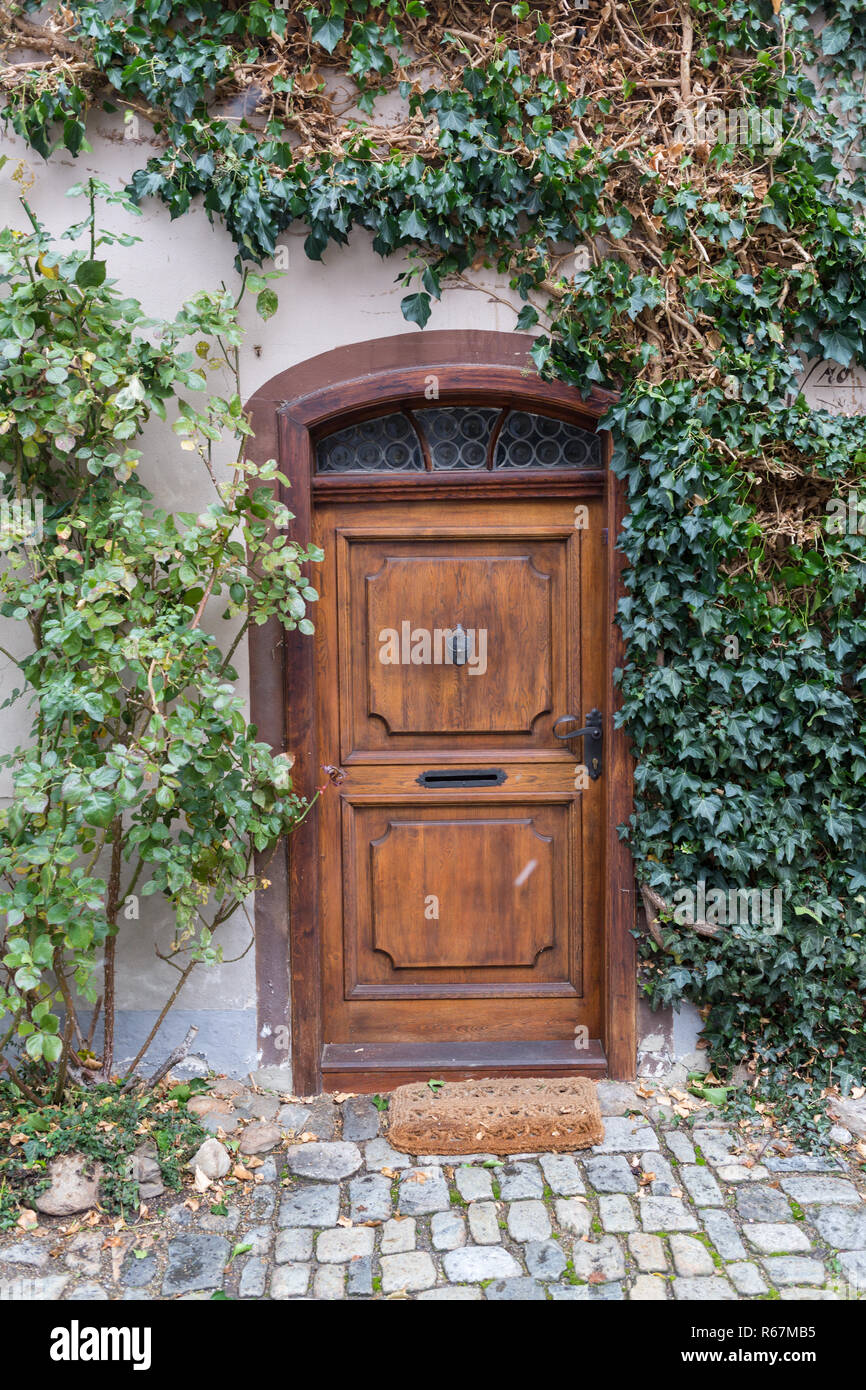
column 473, row 366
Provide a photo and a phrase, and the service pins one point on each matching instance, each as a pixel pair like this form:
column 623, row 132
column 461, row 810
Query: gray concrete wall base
column 226, row 1040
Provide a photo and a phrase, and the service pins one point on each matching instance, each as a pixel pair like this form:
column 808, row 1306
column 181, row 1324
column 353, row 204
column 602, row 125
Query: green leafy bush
column 142, row 775
column 105, row 1125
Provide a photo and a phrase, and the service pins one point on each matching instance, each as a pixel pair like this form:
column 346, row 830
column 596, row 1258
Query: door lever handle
column 593, row 733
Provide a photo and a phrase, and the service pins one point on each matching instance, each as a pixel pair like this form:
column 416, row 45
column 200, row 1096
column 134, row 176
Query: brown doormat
column 504, row 1116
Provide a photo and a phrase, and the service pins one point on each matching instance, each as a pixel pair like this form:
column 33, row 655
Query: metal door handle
column 593, row 733
column 457, row 645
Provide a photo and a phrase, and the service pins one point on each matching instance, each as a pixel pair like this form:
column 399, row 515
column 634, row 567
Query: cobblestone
column 648, row 1288
column 792, row 1269
column 809, row 1190
column 477, row 1262
column 414, row 1270
column 572, row 1215
column 776, row 1238
column 746, row 1279
column 518, row 1180
column 342, row 1244
column 398, row 1236
column 763, row 1204
column 448, row 1230
column 723, row 1234
column 423, row 1191
column 605, row 1259
column 610, row 1174
column 317, row 1220
column 484, row 1223
column 666, row 1214
column 711, row 1289
column 474, row 1184
column 545, row 1259
column 528, row 1221
column 616, row 1213
column 702, row 1186
column 562, row 1174
column 690, row 1257
column 648, row 1252
column 515, row 1290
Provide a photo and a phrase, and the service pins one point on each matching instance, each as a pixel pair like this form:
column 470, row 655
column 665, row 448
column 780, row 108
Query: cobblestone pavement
column 670, row 1206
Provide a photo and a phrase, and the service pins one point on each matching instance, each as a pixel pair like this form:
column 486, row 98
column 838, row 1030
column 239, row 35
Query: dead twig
column 165, row 1067
column 654, row 904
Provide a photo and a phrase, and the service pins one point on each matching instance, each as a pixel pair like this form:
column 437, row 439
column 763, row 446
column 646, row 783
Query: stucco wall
column 350, row 298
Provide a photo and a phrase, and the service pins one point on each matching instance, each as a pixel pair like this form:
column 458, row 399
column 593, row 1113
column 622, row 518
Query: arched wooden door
column 456, row 903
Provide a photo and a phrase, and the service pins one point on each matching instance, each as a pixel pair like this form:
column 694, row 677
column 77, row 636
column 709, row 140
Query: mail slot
column 462, row 777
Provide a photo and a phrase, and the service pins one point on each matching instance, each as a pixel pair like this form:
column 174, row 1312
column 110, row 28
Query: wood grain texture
column 288, row 414
column 382, row 1067
column 621, row 961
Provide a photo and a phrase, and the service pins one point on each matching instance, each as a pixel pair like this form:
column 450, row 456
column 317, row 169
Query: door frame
column 345, row 383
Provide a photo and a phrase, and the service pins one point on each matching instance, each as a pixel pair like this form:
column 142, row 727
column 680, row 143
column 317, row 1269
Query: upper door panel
column 456, row 639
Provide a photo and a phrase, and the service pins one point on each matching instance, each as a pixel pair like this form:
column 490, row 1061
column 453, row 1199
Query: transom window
column 457, row 438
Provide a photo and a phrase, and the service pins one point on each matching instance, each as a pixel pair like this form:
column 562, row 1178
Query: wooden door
column 462, row 852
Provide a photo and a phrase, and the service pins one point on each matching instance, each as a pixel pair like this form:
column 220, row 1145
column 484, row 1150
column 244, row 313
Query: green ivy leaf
column 416, row 308
column 326, row 30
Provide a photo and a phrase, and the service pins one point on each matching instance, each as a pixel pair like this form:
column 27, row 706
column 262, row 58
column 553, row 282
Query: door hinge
column 604, row 536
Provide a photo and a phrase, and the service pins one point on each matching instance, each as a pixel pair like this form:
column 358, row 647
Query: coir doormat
column 504, row 1116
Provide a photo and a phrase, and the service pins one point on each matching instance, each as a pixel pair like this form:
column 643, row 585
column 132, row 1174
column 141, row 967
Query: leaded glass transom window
column 457, row 438
column 389, row 444
column 537, row 441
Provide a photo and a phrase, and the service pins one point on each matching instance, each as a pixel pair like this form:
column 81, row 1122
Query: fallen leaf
column 389, row 1172
column 344, row 1221
column 340, row 1096
column 27, row 1220
column 201, row 1182
column 242, row 1173
column 306, row 1137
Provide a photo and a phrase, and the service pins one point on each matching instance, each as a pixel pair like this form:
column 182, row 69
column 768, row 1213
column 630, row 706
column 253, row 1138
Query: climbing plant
column 704, row 160
column 141, row 775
